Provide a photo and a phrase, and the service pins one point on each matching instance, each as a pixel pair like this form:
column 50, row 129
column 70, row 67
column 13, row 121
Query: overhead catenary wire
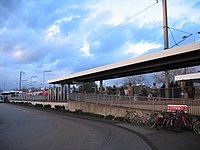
column 180, row 30
column 172, row 36
column 119, row 25
column 183, row 38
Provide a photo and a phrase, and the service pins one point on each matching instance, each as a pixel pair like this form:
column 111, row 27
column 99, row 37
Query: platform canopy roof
column 182, row 56
column 186, row 77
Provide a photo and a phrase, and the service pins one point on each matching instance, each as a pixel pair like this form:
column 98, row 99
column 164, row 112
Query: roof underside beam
column 181, row 60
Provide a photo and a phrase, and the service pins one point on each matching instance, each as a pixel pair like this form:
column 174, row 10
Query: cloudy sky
column 68, row 36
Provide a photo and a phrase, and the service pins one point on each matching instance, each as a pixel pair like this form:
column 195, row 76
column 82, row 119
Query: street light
column 44, row 75
column 20, row 79
column 32, row 79
column 23, row 82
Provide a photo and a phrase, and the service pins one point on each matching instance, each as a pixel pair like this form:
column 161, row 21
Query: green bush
column 38, row 105
column 99, row 116
column 27, row 103
column 58, row 107
column 47, row 106
column 119, row 118
column 109, row 117
column 79, row 112
column 21, row 103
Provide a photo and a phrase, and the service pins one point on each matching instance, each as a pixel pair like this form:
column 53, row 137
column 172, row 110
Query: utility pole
column 166, row 43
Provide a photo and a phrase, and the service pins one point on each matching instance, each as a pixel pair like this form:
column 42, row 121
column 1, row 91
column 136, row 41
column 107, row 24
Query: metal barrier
column 31, row 98
column 138, row 102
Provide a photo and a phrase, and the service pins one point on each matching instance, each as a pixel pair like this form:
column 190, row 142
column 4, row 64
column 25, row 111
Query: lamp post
column 20, row 79
column 23, row 82
column 32, row 79
column 44, row 76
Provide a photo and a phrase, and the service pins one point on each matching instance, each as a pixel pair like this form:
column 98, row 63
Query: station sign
column 177, row 107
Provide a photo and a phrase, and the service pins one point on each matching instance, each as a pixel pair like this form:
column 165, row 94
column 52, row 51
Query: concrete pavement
column 23, row 128
column 158, row 139
column 165, row 140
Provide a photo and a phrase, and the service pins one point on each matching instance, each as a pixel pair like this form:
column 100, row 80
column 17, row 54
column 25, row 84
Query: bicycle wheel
column 159, row 123
column 151, row 122
column 188, row 125
column 177, row 125
column 126, row 118
column 136, row 120
column 142, row 120
column 196, row 127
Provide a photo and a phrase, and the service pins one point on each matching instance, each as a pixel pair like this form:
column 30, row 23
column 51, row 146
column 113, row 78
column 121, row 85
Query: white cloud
column 140, row 48
column 66, row 19
column 86, row 49
column 118, row 11
column 53, row 31
column 51, row 65
column 54, row 37
column 184, row 11
column 19, row 52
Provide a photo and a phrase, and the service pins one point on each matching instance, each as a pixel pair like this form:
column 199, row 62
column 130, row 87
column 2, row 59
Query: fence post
column 129, row 102
column 153, row 104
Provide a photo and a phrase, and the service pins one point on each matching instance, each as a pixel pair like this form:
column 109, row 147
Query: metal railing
column 25, row 96
column 138, row 102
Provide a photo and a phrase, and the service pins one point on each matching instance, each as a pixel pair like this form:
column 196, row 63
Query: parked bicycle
column 166, row 121
column 151, row 120
column 130, row 116
column 136, row 118
column 175, row 120
column 196, row 126
column 143, row 118
column 127, row 117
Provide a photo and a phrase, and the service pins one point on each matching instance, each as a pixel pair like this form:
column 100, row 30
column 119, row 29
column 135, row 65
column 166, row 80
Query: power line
column 119, row 25
column 123, row 22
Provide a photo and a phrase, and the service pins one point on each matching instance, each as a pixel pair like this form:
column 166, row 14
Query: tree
column 160, row 76
column 88, row 86
column 134, row 80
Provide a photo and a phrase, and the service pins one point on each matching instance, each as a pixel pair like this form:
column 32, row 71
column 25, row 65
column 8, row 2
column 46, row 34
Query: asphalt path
column 23, row 128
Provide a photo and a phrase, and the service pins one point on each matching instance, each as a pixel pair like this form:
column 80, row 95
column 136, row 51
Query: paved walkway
column 165, row 140
column 160, row 139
